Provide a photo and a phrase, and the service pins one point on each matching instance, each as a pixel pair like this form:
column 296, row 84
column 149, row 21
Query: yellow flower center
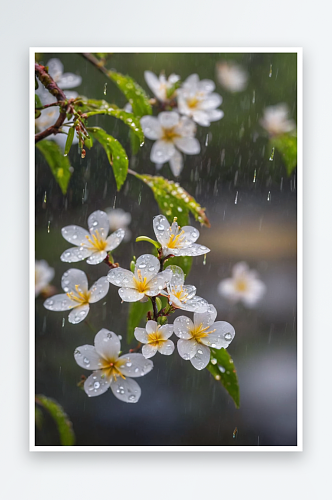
column 180, row 294
column 192, row 102
column 82, row 298
column 111, row 368
column 241, row 285
column 140, row 283
column 156, row 338
column 169, row 134
column 198, row 332
column 176, row 241
column 97, row 242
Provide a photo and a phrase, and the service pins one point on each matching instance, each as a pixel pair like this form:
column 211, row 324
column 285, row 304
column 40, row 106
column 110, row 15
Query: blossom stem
column 155, row 309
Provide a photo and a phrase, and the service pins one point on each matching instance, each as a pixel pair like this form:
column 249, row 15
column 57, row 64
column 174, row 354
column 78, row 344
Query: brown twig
column 99, row 64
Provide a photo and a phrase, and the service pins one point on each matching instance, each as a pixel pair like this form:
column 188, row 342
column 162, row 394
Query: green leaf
column 224, row 371
column 286, row 144
column 59, row 164
column 174, row 201
column 88, row 142
column 137, row 317
column 184, row 262
column 64, row 425
column 134, row 143
column 69, row 140
column 133, row 92
column 38, row 103
column 116, row 155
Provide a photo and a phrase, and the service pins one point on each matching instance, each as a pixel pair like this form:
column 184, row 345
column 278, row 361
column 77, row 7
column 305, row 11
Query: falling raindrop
column 269, row 196
column 63, row 322
column 254, row 179
column 44, row 200
column 235, row 432
column 253, row 97
column 204, row 259
column 272, row 155
column 207, row 140
column 48, row 226
column 105, row 88
column 270, row 73
column 236, row 196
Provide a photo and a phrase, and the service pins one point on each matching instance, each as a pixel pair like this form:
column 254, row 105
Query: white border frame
column 299, row 52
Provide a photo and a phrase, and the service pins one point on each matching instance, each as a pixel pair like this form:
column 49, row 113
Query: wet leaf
column 38, row 103
column 224, row 371
column 137, row 317
column 58, row 163
column 64, row 425
column 287, row 146
column 134, row 93
column 69, row 140
column 174, row 201
column 116, row 154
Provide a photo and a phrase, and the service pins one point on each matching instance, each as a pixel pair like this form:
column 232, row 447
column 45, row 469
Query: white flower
column 43, row 275
column 77, row 297
column 118, row 219
column 147, row 280
column 197, row 100
column 243, row 286
column 161, row 85
column 110, row 370
column 63, row 80
column 232, row 76
column 176, row 240
column 93, row 245
column 196, row 337
column 275, row 120
column 182, row 296
column 155, row 338
column 171, row 134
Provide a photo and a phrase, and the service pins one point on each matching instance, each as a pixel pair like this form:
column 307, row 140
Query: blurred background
column 251, row 204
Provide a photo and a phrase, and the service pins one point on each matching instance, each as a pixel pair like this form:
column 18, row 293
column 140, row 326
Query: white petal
column 107, row 344
column 135, row 365
column 151, row 326
column 188, row 145
column 161, row 151
column 187, row 348
column 99, row 289
column 191, row 234
column 201, row 117
column 152, row 80
column 55, row 68
column 166, row 347
column 75, row 254
column 240, row 269
column 161, row 227
column 121, row 277
column 97, row 257
column 201, row 358
column 115, row 239
column 74, row 278
column 182, row 326
column 59, row 302
column 211, row 101
column 167, row 331
column 151, row 127
column 221, row 337
column 215, row 114
column 226, row 288
column 173, row 78
column 206, row 86
column 187, row 127
column 141, row 335
column 176, row 163
column 192, row 80
column 206, row 318
column 147, row 266
column 98, row 221
column 149, row 350
column 192, row 250
column 130, row 295
column 168, row 119
column 96, row 384
column 126, row 390
column 78, row 314
column 197, row 304
column 157, row 284
column 87, row 357
column 177, row 275
column 76, row 235
column 69, row 81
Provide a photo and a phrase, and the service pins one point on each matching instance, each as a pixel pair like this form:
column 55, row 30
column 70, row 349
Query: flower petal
column 197, row 304
column 222, row 335
column 126, row 390
column 206, row 318
column 161, row 227
column 121, row 277
column 151, row 326
column 76, row 235
column 78, row 314
column 74, row 279
column 152, row 81
column 96, row 384
column 201, row 358
column 162, row 151
column 75, row 254
column 55, row 68
column 201, row 117
column 182, row 326
column 206, row 86
column 177, row 275
column 176, row 163
column 187, row 127
column 168, row 119
column 157, row 284
column 166, row 348
column 191, row 234
column 87, row 357
column 215, row 114
column 187, row 348
column 107, row 344
column 130, row 294
column 191, row 81
column 97, row 257
column 188, row 145
column 211, row 101
column 147, row 266
column 135, row 365
column 98, row 221
column 141, row 335
column 240, row 269
column 192, row 250
column 115, row 239
column 149, row 350
column 60, row 302
column 151, row 127
column 99, row 289
column 167, row 331
column 69, row 81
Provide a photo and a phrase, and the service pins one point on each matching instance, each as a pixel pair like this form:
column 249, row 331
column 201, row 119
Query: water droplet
column 160, row 227
column 213, row 361
column 120, row 337
column 228, row 336
column 132, row 397
column 151, row 269
column 254, row 179
column 270, row 73
column 105, row 88
column 129, row 364
column 204, row 260
column 77, row 352
column 217, row 377
column 272, row 155
column 269, row 196
column 142, row 266
column 236, row 197
column 96, row 385
column 86, row 361
column 48, row 226
column 199, row 351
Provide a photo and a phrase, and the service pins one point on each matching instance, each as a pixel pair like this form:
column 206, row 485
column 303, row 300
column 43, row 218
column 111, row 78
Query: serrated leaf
column 174, row 201
column 134, row 93
column 58, row 163
column 69, row 140
column 116, row 154
column 286, row 144
column 137, row 317
column 61, row 419
column 225, row 372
